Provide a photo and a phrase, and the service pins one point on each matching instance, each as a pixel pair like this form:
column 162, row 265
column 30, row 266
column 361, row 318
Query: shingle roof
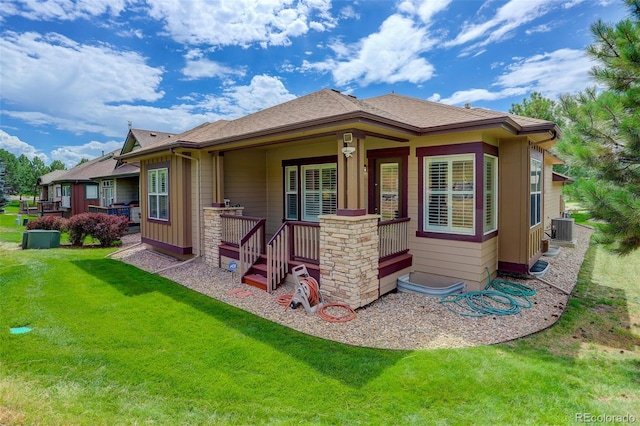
column 327, row 106
column 100, row 166
column 51, row 177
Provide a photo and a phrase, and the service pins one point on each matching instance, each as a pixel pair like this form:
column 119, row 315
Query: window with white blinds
column 319, row 190
column 449, row 194
column 490, row 193
column 291, row 192
column 389, row 191
column 158, row 190
column 536, row 192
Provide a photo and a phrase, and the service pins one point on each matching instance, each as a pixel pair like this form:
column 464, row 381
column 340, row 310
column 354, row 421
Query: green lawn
column 115, row 345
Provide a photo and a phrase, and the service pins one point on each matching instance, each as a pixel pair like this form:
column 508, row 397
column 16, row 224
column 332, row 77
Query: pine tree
column 3, row 193
column 603, row 132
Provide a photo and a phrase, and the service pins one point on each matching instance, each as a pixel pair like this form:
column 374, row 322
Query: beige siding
column 552, row 196
column 245, row 180
column 513, row 210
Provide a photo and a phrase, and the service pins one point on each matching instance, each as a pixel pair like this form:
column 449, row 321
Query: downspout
column 197, row 160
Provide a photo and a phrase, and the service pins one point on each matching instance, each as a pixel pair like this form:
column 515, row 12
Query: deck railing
column 393, row 237
column 235, row 227
column 304, row 241
column 278, row 257
column 252, row 246
column 114, row 210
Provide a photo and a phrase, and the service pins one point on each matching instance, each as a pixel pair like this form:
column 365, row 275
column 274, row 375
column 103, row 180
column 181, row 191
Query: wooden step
column 255, row 280
column 259, row 268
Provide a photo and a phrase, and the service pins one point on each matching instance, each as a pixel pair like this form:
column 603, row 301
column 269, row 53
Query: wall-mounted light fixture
column 348, row 150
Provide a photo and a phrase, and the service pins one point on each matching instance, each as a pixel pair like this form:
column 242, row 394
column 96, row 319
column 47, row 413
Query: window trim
column 478, row 149
column 91, row 185
column 538, row 192
column 298, row 163
column 495, row 191
column 156, row 168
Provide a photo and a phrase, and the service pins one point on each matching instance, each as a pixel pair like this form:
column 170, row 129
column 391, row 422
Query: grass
column 112, row 344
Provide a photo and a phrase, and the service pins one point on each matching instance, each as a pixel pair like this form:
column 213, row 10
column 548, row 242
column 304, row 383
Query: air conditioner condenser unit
column 563, row 228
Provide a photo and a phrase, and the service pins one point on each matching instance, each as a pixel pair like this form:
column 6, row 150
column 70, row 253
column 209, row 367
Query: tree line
column 19, row 175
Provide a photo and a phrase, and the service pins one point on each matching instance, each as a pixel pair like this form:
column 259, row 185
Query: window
column 58, row 191
column 389, row 191
column 291, row 192
column 450, row 194
column 158, row 189
column 310, row 188
column 91, row 192
column 536, row 192
column 490, row 193
column 319, row 190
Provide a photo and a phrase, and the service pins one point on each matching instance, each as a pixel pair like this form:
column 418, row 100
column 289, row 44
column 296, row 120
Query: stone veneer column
column 213, row 231
column 349, row 258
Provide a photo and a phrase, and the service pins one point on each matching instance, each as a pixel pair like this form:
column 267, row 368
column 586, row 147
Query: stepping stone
column 245, row 294
column 235, row 290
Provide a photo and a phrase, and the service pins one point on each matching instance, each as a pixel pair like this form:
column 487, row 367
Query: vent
column 563, row 228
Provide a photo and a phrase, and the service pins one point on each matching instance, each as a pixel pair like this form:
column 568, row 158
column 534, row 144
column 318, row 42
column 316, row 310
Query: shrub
column 49, row 223
column 105, row 228
column 80, row 226
column 109, row 228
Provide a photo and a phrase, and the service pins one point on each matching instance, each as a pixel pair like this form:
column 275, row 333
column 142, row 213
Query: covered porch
column 336, row 203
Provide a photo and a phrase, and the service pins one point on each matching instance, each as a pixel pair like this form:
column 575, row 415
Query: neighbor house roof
column 51, row 177
column 331, row 108
column 85, row 172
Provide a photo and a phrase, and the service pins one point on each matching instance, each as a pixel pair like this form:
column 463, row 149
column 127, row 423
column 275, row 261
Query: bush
column 105, row 228
column 109, row 228
column 49, row 223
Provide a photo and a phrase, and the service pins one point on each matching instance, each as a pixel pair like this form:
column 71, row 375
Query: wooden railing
column 304, row 241
column 251, row 246
column 392, row 237
column 235, row 227
column 278, row 257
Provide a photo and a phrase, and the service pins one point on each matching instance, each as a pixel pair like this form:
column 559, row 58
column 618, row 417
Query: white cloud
column 65, row 10
column 197, row 66
column 71, row 155
column 390, row 55
column 508, row 18
column 552, row 74
column 241, row 22
column 59, row 74
column 17, row 147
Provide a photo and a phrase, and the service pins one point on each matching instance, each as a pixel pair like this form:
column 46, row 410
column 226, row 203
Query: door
column 387, row 192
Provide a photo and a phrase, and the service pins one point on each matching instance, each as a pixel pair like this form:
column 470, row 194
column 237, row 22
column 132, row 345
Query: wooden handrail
column 251, row 246
column 277, row 257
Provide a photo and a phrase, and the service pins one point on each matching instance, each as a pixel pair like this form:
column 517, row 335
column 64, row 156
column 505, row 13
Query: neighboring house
column 103, row 184
column 360, row 191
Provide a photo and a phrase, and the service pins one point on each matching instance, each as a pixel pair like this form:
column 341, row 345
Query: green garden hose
column 506, row 298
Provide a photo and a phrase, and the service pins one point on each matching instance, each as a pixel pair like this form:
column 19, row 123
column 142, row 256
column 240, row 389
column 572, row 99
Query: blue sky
column 73, row 74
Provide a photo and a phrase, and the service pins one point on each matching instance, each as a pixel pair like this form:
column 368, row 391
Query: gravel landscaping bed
column 395, row 321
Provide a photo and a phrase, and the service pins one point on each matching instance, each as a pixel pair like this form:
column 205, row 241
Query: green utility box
column 40, row 239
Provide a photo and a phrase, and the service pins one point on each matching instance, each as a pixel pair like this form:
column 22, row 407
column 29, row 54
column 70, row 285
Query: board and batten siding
column 175, row 235
column 245, row 180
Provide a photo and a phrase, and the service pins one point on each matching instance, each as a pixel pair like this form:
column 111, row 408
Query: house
column 360, row 191
column 103, row 184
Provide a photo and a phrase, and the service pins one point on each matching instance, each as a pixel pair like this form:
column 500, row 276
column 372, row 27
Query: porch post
column 213, row 231
column 349, row 258
column 218, row 178
column 352, row 182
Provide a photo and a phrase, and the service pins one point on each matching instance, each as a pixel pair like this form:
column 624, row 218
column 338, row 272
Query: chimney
column 467, row 106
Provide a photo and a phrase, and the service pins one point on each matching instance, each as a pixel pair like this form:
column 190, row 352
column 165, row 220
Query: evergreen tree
column 537, row 106
column 603, row 132
column 3, row 194
column 57, row 165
